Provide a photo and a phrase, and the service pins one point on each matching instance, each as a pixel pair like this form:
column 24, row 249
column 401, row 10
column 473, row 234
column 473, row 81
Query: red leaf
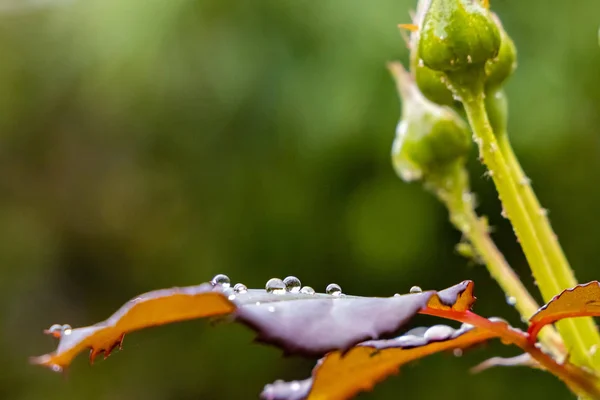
column 341, row 376
column 580, row 301
column 150, row 309
column 329, row 322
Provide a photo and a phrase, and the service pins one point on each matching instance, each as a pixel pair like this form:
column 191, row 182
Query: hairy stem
column 549, row 279
column 548, row 239
column 453, row 191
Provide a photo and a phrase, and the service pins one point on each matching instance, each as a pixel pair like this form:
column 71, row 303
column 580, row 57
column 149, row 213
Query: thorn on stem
column 409, row 27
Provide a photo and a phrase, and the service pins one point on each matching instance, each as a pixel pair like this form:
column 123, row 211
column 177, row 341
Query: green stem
column 586, row 326
column 453, row 190
column 547, row 275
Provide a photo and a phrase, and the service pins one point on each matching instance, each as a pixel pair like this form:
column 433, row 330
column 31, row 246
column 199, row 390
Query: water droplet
column 421, row 63
column 307, row 290
column 543, row 212
column 525, row 181
column 457, row 352
column 271, row 309
column 295, row 386
column 221, row 279
column 240, row 288
column 415, row 289
column 503, row 213
column 275, row 286
column 466, row 327
column 438, row 332
column 397, row 294
column 55, row 328
column 257, row 303
column 292, row 284
column 593, row 349
column 56, row 368
column 66, row 329
column 469, row 59
column 231, row 297
column 333, row 289
column 511, row 300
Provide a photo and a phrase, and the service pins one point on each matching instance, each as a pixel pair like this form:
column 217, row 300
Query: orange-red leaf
column 580, row 301
column 341, row 376
column 154, row 308
column 329, row 322
column 456, row 298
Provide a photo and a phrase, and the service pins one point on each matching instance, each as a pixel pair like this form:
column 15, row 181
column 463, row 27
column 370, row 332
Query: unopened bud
column 429, row 137
column 458, row 35
column 500, row 68
column 431, row 83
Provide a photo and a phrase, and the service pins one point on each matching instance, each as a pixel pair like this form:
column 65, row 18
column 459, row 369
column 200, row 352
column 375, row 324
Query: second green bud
column 429, row 138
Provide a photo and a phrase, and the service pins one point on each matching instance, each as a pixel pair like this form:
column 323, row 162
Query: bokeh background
column 149, row 143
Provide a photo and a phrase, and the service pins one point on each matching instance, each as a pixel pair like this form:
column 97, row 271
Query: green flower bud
column 498, row 69
column 458, row 34
column 429, row 138
column 431, row 83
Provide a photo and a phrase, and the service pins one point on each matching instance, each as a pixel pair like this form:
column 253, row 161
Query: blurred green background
column 150, row 143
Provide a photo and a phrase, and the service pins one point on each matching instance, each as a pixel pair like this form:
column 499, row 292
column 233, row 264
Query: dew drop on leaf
column 438, row 333
column 292, row 284
column 240, row 288
column 221, row 279
column 307, row 290
column 333, row 289
column 275, row 286
column 66, row 329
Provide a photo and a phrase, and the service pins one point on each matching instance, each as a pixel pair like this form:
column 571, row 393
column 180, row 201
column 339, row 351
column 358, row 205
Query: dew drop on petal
column 416, row 289
column 295, row 386
column 240, row 288
column 397, row 295
column 275, row 286
column 333, row 289
column 292, row 284
column 307, row 290
column 221, row 279
column 56, row 368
